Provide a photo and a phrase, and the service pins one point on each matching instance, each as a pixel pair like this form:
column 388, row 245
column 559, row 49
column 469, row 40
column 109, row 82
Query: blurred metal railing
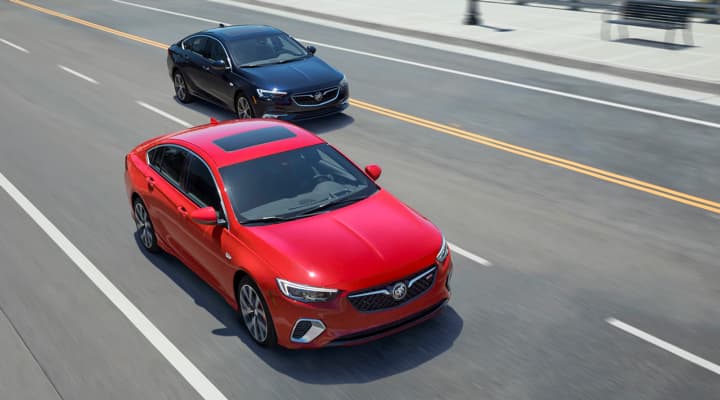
column 708, row 10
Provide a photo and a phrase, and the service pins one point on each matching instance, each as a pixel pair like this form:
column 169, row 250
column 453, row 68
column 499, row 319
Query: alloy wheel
column 180, row 88
column 244, row 110
column 142, row 221
column 253, row 313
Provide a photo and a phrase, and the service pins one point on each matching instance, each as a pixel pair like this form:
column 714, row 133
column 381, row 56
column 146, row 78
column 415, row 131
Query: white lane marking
column 665, row 345
column 13, row 45
column 79, row 75
column 469, row 255
column 164, row 114
column 182, row 364
column 453, row 71
column 664, row 90
column 528, row 87
column 212, row 21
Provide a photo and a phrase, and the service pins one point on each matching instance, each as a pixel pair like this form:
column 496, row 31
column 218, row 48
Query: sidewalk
column 573, row 35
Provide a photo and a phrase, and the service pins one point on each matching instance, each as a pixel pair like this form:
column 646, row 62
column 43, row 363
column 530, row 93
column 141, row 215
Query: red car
column 297, row 238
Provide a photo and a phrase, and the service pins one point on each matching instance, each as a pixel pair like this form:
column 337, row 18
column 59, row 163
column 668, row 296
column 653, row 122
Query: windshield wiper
column 332, row 203
column 268, row 219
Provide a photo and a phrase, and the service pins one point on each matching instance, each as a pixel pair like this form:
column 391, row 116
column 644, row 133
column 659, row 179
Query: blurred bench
column 658, row 14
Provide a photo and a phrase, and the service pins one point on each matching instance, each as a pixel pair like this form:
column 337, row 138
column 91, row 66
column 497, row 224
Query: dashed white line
column 699, row 361
column 606, row 103
column 469, row 255
column 177, row 359
column 13, row 45
column 164, row 114
column 79, row 75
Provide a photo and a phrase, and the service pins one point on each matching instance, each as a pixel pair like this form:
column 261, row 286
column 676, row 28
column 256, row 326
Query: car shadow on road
column 356, row 364
column 318, row 126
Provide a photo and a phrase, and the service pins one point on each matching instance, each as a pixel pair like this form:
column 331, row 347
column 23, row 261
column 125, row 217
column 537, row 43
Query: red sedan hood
column 374, row 241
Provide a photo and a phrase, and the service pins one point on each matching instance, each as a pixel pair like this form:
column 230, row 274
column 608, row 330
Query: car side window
column 154, row 157
column 173, row 163
column 216, row 51
column 197, row 44
column 200, row 186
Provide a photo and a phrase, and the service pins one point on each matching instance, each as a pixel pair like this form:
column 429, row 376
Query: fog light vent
column 306, row 330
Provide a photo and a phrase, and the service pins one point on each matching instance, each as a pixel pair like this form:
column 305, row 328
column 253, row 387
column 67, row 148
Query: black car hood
column 295, row 76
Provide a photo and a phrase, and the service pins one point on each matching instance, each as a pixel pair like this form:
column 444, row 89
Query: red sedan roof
column 237, row 141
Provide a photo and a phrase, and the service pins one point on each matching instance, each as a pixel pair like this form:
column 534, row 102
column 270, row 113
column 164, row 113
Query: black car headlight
column 304, row 293
column 444, row 251
column 270, row 94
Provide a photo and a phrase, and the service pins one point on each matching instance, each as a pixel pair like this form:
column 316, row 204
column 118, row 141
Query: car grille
column 316, row 97
column 380, row 297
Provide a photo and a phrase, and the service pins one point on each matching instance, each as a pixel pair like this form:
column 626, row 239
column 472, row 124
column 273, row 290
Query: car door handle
column 206, row 68
column 150, row 182
column 183, row 211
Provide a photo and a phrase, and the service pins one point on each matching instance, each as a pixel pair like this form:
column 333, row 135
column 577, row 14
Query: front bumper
column 344, row 325
column 288, row 110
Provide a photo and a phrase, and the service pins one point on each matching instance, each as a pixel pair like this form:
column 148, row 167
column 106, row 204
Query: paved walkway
column 544, row 29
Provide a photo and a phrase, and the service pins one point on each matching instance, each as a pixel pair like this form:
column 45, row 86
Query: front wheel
column 243, row 108
column 255, row 313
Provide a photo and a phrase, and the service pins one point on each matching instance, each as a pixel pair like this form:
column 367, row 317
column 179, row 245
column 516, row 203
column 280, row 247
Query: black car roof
column 242, row 31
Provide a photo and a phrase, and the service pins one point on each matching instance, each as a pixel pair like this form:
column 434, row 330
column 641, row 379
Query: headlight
column 442, row 255
column 270, row 94
column 343, row 82
column 307, row 294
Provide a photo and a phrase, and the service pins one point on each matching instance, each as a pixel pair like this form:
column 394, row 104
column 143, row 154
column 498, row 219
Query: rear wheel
column 243, row 108
column 255, row 313
column 181, row 89
column 145, row 229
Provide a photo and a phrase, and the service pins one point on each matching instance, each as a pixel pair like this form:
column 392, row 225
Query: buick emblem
column 318, row 96
column 399, row 291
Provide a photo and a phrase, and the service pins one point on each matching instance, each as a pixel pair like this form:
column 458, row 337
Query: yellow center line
column 580, row 168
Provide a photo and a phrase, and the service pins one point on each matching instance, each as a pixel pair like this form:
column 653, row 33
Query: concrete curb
column 636, row 74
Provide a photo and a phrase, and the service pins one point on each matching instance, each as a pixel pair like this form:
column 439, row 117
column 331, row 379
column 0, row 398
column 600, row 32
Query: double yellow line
column 606, row 176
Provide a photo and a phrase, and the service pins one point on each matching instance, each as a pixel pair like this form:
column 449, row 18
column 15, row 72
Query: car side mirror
column 311, row 49
column 219, row 65
column 204, row 216
column 373, row 171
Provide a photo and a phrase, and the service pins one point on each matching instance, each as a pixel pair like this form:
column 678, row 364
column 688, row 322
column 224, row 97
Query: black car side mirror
column 219, row 65
column 311, row 49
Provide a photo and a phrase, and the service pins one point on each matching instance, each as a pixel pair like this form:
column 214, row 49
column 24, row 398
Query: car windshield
column 264, row 50
column 294, row 184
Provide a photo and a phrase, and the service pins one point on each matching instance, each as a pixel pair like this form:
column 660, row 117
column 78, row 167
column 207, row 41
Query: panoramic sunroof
column 254, row 138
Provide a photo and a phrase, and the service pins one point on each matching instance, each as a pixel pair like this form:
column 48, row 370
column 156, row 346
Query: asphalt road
column 568, row 251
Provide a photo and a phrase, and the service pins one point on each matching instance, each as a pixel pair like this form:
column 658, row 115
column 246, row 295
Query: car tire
column 255, row 314
column 145, row 228
column 243, row 108
column 182, row 93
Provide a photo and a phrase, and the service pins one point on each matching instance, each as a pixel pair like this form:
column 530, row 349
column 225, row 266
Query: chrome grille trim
column 311, row 96
column 374, row 292
column 417, row 278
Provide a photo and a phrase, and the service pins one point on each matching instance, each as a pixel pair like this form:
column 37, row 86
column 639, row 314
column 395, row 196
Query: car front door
column 219, row 81
column 204, row 243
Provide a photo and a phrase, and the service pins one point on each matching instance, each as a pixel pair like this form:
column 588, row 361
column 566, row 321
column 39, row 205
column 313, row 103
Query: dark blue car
column 258, row 72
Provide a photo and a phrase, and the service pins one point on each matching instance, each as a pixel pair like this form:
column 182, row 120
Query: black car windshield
column 264, row 50
column 294, row 184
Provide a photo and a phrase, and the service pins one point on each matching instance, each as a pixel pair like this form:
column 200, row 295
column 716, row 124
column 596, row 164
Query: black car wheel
column 145, row 229
column 181, row 89
column 243, row 108
column 255, row 314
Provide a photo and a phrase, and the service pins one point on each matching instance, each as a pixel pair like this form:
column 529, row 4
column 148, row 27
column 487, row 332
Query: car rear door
column 167, row 164
column 196, row 53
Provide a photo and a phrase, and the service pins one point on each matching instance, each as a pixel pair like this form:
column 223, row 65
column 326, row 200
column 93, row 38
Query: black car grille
column 301, row 328
column 317, row 97
column 380, row 297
